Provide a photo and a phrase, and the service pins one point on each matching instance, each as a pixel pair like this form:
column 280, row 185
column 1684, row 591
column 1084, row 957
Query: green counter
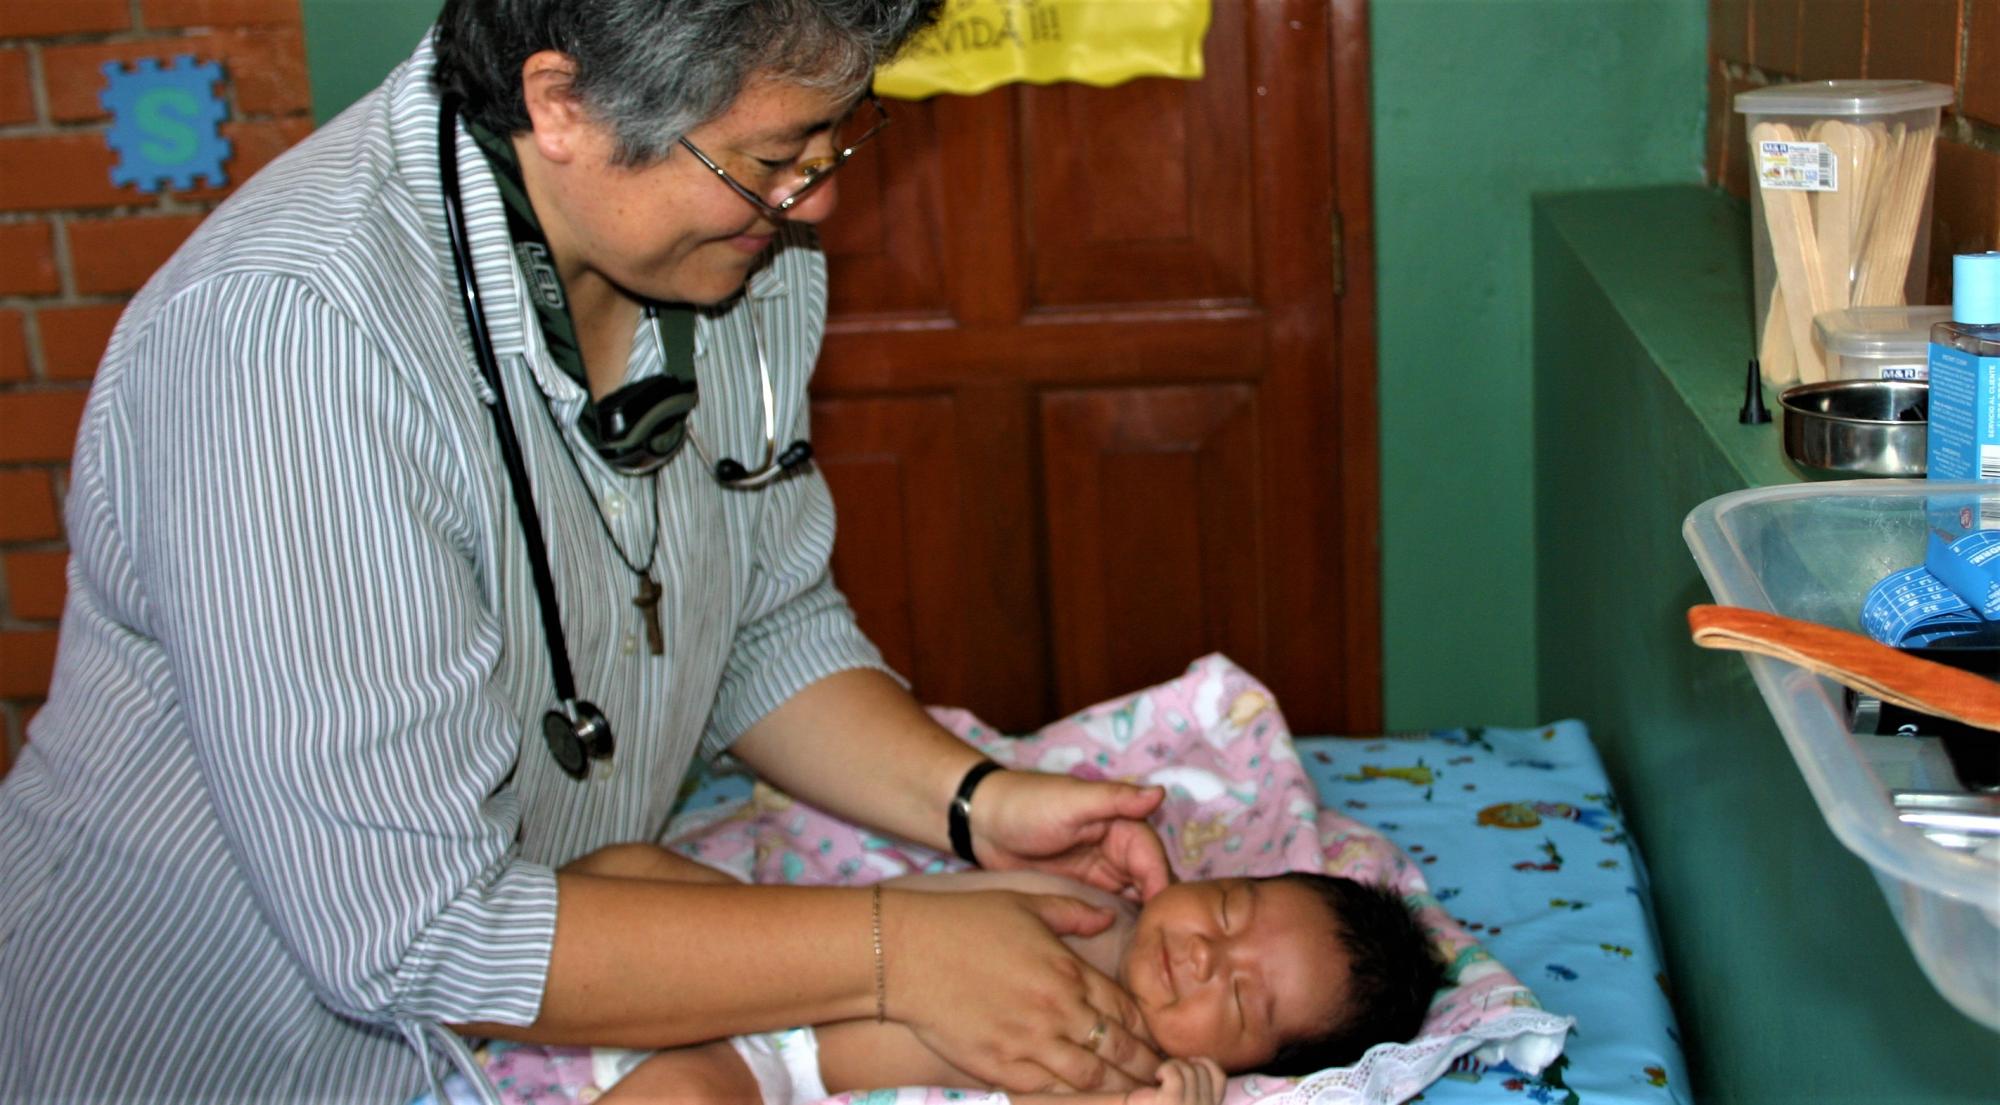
column 1790, row 977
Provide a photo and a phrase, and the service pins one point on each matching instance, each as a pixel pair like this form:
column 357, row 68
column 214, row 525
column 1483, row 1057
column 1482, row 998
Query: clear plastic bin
column 1811, row 551
column 1841, row 212
column 1878, row 343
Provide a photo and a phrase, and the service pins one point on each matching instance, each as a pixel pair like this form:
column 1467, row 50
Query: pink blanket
column 1239, row 803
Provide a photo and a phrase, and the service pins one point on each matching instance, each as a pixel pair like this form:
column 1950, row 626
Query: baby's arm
column 1182, row 1082
column 863, row 1055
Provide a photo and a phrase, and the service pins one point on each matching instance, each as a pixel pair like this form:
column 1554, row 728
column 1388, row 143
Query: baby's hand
column 1183, row 1082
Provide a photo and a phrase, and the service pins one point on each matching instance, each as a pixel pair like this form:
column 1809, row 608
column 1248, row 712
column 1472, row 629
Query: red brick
column 74, row 74
column 73, row 338
column 110, row 256
column 35, row 585
column 27, row 659
column 13, row 346
column 39, row 425
column 47, row 18
column 1830, row 46
column 266, row 69
column 27, row 506
column 1982, row 60
column 1774, row 36
column 17, row 89
column 46, row 172
column 1729, row 30
column 50, row 172
column 219, row 13
column 1913, row 40
column 28, row 259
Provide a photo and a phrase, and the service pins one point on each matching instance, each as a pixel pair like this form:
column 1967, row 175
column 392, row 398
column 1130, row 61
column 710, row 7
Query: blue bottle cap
column 1975, row 288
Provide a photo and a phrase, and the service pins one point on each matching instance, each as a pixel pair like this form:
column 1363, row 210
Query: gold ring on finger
column 1096, row 1036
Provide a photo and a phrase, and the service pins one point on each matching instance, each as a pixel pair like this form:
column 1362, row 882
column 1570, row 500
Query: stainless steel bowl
column 1858, row 427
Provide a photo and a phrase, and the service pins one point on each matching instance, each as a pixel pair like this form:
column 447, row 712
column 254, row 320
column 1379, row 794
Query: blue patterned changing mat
column 1523, row 842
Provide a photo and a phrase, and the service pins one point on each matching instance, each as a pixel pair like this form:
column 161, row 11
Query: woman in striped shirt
column 288, row 812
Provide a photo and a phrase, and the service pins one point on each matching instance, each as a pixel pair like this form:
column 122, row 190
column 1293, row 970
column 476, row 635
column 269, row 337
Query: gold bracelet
column 881, row 975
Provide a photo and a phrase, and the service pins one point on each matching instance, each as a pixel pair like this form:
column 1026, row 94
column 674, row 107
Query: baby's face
column 1232, row 969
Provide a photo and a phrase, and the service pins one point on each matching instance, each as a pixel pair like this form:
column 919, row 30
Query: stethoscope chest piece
column 577, row 737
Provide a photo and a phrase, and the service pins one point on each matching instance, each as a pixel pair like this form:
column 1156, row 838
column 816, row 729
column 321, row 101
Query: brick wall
column 1753, row 43
column 73, row 247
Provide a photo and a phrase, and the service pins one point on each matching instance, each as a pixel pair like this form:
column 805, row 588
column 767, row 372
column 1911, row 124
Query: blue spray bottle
column 1964, row 433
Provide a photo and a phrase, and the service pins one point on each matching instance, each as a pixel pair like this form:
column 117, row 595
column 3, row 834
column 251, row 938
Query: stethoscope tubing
column 496, row 405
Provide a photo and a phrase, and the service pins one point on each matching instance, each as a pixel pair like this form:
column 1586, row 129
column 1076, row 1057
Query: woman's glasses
column 850, row 134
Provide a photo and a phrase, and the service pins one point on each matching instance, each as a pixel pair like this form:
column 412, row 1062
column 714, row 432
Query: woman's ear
column 557, row 116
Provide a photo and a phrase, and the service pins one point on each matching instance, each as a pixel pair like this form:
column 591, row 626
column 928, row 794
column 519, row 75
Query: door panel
column 1153, row 538
column 1092, row 363
column 885, row 240
column 1141, row 193
column 894, row 557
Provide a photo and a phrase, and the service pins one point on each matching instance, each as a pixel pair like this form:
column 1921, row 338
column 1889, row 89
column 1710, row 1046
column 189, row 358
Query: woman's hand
column 982, row 979
column 1184, row 1082
column 1092, row 832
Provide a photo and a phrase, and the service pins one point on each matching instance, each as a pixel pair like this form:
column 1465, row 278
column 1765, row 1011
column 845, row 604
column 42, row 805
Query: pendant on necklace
column 648, row 602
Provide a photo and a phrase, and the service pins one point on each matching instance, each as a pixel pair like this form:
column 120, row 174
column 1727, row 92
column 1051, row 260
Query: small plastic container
column 1841, row 211
column 1878, row 343
column 1812, row 551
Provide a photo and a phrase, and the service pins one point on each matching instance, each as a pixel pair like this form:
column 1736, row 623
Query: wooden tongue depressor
column 1886, row 257
column 1882, row 217
column 1852, row 660
column 1795, row 255
column 1774, row 357
column 1835, row 213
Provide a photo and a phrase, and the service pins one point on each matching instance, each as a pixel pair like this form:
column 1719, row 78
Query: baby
column 1288, row 974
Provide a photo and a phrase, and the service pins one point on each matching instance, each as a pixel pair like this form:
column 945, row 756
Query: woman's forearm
column 640, row 962
column 856, row 745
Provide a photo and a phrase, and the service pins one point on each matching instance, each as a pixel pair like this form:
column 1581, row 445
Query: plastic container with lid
column 1812, row 551
column 1841, row 210
column 1878, row 343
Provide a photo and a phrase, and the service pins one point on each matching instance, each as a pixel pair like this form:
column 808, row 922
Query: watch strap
column 959, row 816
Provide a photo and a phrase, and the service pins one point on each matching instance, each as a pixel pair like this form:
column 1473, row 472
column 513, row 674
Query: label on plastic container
column 1797, row 167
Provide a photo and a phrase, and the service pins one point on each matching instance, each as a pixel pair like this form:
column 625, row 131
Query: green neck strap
column 675, row 322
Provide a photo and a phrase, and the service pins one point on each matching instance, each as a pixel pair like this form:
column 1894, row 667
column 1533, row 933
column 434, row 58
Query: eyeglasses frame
column 815, row 171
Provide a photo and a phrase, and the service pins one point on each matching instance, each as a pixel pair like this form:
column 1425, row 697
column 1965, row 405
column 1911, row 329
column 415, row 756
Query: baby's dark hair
column 1393, row 974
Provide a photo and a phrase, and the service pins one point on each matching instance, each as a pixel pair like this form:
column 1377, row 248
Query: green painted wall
column 1478, row 105
column 352, row 44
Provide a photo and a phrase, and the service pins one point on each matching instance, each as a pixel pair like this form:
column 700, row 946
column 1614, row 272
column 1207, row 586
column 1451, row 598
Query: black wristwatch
column 959, row 816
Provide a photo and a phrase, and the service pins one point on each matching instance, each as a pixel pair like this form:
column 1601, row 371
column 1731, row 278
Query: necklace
column 649, row 593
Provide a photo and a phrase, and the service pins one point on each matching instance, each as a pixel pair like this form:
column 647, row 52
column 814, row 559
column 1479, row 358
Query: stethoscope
column 576, row 730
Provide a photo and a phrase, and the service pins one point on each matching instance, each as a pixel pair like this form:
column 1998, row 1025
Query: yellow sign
column 977, row 44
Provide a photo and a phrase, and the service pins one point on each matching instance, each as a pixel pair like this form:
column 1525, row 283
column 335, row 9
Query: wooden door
column 1098, row 392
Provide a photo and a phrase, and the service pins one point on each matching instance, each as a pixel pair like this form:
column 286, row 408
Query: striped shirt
column 289, row 795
